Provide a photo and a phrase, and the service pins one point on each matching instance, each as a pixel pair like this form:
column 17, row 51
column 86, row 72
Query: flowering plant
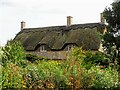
column 104, row 78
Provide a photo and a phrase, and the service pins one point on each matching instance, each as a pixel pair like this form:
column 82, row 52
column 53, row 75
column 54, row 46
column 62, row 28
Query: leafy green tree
column 112, row 38
column 13, row 52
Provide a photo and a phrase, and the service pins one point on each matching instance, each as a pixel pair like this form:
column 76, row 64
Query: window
column 69, row 47
column 42, row 48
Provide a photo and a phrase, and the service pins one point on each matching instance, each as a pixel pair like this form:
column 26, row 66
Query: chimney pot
column 23, row 24
column 69, row 20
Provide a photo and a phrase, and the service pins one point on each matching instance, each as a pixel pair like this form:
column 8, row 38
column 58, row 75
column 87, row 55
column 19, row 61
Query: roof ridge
column 63, row 26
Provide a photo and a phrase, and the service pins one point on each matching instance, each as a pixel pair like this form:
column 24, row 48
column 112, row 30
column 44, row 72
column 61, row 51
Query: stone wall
column 52, row 54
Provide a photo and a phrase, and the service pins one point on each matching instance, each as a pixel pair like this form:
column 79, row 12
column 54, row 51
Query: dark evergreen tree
column 112, row 38
column 112, row 16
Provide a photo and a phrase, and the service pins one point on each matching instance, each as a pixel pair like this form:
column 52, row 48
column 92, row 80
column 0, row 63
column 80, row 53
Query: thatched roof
column 56, row 37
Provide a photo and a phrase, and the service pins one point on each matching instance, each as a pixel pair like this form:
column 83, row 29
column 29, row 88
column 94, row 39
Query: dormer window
column 43, row 48
column 69, row 47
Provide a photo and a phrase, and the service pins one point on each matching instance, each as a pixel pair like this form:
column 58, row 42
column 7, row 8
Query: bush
column 90, row 58
column 0, row 76
column 53, row 74
column 1, row 54
column 12, row 77
column 78, row 54
column 59, row 75
column 97, row 79
column 67, row 74
column 13, row 52
column 33, row 58
column 95, row 58
column 107, row 78
column 42, row 75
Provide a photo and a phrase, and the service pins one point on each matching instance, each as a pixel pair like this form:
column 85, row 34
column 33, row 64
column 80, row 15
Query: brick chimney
column 102, row 19
column 69, row 20
column 23, row 24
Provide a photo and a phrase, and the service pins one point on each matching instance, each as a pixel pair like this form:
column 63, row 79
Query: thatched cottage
column 56, row 41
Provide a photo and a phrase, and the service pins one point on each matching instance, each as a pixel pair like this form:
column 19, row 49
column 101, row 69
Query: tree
column 13, row 52
column 112, row 38
column 112, row 16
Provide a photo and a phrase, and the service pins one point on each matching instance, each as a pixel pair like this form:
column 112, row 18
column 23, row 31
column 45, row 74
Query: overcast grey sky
column 40, row 13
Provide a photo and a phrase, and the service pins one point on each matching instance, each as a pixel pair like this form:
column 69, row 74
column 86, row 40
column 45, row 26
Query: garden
column 82, row 70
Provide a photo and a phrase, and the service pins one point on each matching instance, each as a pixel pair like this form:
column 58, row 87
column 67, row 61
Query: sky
column 42, row 13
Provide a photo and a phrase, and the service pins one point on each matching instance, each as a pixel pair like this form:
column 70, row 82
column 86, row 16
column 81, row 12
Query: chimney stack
column 102, row 19
column 69, row 20
column 23, row 24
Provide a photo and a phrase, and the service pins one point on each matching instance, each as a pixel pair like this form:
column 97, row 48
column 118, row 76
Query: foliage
column 111, row 39
column 59, row 75
column 69, row 74
column 73, row 73
column 112, row 16
column 44, row 73
column 33, row 58
column 110, row 48
column 117, row 41
column 0, row 76
column 13, row 52
column 104, row 78
column 12, row 76
column 1, row 54
column 78, row 53
column 65, row 74
column 90, row 58
column 53, row 74
column 95, row 58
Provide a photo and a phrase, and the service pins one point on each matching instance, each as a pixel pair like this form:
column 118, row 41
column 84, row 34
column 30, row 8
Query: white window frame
column 42, row 48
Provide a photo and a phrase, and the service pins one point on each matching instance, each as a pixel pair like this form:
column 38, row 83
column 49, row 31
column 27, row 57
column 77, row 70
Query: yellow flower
column 24, row 86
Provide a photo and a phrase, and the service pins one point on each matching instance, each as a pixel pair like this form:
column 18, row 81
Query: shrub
column 13, row 52
column 33, row 58
column 73, row 73
column 78, row 54
column 53, row 74
column 60, row 75
column 104, row 78
column 97, row 79
column 12, row 77
column 95, row 58
column 67, row 74
column 89, row 58
column 1, row 54
column 0, row 76
column 87, row 80
column 44, row 74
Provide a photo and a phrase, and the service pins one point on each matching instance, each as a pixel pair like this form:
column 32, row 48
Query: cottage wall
column 52, row 54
